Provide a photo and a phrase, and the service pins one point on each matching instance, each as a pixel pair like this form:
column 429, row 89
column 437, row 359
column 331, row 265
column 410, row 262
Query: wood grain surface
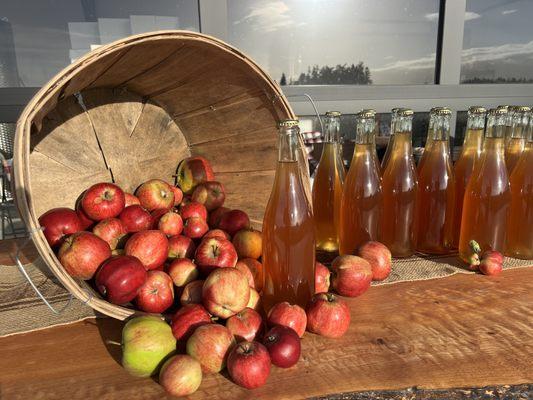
column 461, row 331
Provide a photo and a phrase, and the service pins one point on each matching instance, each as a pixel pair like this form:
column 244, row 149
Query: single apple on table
column 379, row 257
column 154, row 194
column 195, row 227
column 180, row 375
column 131, row 199
column 112, row 230
column 248, row 243
column 328, row 315
column 192, row 171
column 215, row 215
column 180, row 246
column 150, row 247
column 182, row 271
column 350, row 275
column 225, row 292
column 192, row 293
column 245, row 325
column 58, row 223
column 249, row 364
column 187, row 319
column 283, row 345
column 211, row 194
column 82, row 253
column 256, row 270
column 193, row 209
column 135, row 218
column 120, row 278
column 210, row 345
column 146, row 342
column 216, row 233
column 170, row 223
column 156, row 295
column 491, row 263
column 103, row 200
column 322, row 276
column 233, row 221
column 214, row 253
column 290, row 315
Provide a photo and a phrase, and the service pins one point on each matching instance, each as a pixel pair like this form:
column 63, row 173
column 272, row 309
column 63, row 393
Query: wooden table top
column 460, row 331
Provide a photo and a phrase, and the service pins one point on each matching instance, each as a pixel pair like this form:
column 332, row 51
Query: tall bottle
column 436, row 189
column 400, row 186
column 516, row 142
column 327, row 186
column 520, row 225
column 470, row 153
column 488, row 195
column 390, row 145
column 361, row 204
column 288, row 229
column 429, row 138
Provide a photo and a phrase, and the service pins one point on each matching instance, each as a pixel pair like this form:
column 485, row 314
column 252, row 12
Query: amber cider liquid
column 520, row 227
column 327, row 193
column 288, row 241
column 436, row 197
column 486, row 201
column 463, row 170
column 362, row 200
column 400, row 186
column 513, row 150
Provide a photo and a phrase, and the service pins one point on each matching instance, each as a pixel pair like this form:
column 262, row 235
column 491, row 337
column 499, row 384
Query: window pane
column 40, row 37
column 498, row 42
column 324, row 41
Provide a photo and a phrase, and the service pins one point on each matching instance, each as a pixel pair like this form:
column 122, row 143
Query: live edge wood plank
column 461, row 331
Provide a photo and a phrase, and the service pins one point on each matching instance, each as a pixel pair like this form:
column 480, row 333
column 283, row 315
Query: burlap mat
column 21, row 310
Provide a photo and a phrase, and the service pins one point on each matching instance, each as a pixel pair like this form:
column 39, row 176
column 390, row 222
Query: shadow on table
column 111, row 333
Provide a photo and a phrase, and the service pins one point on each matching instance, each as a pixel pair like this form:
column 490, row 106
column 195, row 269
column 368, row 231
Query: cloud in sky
column 469, row 15
column 269, row 17
column 506, row 12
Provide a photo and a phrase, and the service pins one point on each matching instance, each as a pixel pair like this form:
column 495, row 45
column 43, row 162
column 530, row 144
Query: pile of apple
column 177, row 250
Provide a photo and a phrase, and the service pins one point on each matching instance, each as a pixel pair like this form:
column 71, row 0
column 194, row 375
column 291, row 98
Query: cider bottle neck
column 496, row 126
column 519, row 125
column 332, row 127
column 365, row 131
column 288, row 144
column 439, row 128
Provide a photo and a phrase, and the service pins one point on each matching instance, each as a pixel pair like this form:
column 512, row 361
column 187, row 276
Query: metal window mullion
column 452, row 42
column 214, row 18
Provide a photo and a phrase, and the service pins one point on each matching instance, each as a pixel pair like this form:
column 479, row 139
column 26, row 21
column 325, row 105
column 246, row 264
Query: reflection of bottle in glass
column 516, row 142
column 520, row 226
column 487, row 195
column 390, row 145
column 436, row 189
column 362, row 195
column 470, row 153
column 288, row 229
column 327, row 186
column 400, row 185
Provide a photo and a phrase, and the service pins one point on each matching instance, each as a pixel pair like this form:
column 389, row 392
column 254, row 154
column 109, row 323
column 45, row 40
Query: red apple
column 283, row 345
column 187, row 319
column 215, row 215
column 379, row 257
column 216, row 233
column 321, row 278
column 248, row 243
column 328, row 315
column 255, row 267
column 178, row 195
column 255, row 300
column 180, row 375
column 82, row 253
column 245, row 325
column 120, row 278
column 243, row 267
column 180, row 246
column 150, row 247
column 156, row 294
column 195, row 227
column 57, row 223
column 182, row 271
column 193, row 209
column 215, row 253
column 350, row 275
column 211, row 194
column 170, row 223
column 491, row 263
column 156, row 216
column 192, row 293
column 192, row 171
column 249, row 364
column 112, row 230
column 289, row 315
column 131, row 200
column 210, row 345
column 225, row 292
column 103, row 200
column 233, row 221
column 135, row 218
column 154, row 194
column 86, row 222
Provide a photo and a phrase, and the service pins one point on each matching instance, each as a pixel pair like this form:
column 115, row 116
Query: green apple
column 147, row 342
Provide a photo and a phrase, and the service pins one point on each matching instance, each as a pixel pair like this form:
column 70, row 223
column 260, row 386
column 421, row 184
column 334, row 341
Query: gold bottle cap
column 506, row 107
column 288, row 123
column 441, row 111
column 521, row 109
column 498, row 111
column 366, row 113
column 477, row 110
column 333, row 114
column 405, row 112
column 395, row 110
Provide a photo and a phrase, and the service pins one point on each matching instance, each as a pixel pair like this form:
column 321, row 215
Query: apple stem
column 330, row 297
column 113, row 343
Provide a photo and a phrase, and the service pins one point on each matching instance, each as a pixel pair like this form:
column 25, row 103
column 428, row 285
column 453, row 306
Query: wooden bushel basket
column 130, row 111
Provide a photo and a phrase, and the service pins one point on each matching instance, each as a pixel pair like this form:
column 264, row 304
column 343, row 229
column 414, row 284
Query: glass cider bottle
column 436, row 188
column 361, row 203
column 288, row 229
column 520, row 226
column 400, row 186
column 390, row 145
column 516, row 142
column 327, row 186
column 487, row 195
column 470, row 153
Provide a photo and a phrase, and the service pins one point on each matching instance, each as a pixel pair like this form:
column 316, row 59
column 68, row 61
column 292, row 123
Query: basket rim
column 21, row 164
